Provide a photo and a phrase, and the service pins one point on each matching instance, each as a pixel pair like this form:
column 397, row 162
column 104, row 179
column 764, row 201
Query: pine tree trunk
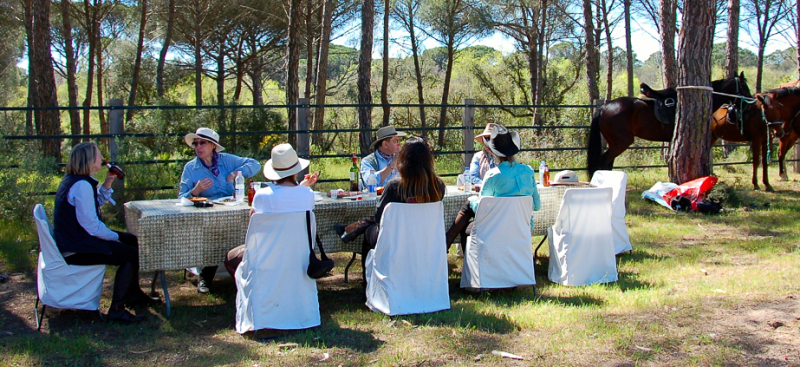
column 137, row 63
column 667, row 19
column 448, row 74
column 797, row 36
column 385, row 71
column 732, row 46
column 99, row 80
column 628, row 47
column 198, row 58
column 365, row 75
column 309, row 49
column 293, row 57
column 221, row 86
column 31, row 70
column 72, row 87
column 91, row 22
column 690, row 150
column 47, row 121
column 591, row 52
column 162, row 56
column 322, row 68
column 610, row 50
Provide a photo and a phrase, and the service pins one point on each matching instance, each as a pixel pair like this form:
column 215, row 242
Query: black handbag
column 316, row 268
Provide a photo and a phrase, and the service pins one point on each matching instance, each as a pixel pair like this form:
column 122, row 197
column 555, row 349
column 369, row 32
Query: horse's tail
column 595, row 148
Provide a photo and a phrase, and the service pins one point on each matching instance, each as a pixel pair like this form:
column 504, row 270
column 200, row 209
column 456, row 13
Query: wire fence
column 304, row 131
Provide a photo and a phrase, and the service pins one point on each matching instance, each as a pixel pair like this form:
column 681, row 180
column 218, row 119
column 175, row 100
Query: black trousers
column 124, row 253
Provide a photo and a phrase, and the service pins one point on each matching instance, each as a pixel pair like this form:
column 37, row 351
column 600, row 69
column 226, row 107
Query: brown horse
column 757, row 121
column 787, row 96
column 624, row 118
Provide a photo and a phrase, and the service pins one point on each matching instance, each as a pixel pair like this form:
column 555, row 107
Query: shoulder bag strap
column 308, row 228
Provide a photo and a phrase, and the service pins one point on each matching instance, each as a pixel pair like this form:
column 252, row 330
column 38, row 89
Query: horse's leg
column 765, row 163
column 614, row 151
column 786, row 143
column 756, row 149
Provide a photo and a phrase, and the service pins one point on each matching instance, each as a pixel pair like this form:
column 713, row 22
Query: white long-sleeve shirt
column 82, row 198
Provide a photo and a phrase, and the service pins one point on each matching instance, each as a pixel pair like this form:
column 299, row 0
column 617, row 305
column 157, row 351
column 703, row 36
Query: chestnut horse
column 624, row 118
column 757, row 120
column 788, row 97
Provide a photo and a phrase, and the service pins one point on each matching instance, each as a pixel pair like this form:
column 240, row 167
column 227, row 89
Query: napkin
column 184, row 202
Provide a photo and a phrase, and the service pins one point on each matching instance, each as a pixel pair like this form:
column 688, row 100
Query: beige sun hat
column 567, row 177
column 284, row 163
column 205, row 134
column 487, row 132
column 385, row 132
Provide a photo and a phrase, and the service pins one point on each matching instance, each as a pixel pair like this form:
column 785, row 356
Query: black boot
column 205, row 278
column 353, row 230
column 122, row 282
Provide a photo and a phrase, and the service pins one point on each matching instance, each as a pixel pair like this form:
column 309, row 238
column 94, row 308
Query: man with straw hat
column 386, row 145
column 211, row 174
column 482, row 161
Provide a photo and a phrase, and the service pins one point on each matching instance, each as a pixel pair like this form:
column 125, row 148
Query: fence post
column 303, row 138
column 797, row 158
column 116, row 126
column 468, row 134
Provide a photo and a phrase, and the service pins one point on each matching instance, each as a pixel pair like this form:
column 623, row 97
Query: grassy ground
column 696, row 290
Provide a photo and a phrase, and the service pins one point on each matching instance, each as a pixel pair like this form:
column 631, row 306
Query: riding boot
column 122, row 283
column 459, row 227
column 355, row 229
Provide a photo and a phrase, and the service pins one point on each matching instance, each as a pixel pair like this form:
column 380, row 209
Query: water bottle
column 372, row 185
column 238, row 194
column 541, row 172
column 467, row 181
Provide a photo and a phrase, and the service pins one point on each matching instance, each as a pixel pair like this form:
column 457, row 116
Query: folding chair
column 407, row 270
column 498, row 251
column 581, row 240
column 617, row 181
column 59, row 284
column 273, row 289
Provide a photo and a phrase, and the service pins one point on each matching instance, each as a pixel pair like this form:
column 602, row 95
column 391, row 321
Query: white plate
column 221, row 202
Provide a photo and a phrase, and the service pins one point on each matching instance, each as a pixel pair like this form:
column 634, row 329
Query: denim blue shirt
column 194, row 171
column 509, row 180
column 368, row 164
column 475, row 167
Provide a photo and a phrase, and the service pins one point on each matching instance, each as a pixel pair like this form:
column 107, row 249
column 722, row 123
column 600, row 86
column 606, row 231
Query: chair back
column 59, row 284
column 273, row 289
column 581, row 240
column 499, row 247
column 618, row 182
column 407, row 270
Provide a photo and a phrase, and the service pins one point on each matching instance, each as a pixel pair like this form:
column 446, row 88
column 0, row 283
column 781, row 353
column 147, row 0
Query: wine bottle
column 354, row 173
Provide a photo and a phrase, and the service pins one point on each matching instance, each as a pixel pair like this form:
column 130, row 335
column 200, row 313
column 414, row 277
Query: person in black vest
column 82, row 237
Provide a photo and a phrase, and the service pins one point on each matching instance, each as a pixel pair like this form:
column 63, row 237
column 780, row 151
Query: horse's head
column 741, row 85
column 771, row 111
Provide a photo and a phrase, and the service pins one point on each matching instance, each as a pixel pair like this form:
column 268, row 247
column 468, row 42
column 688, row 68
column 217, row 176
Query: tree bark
column 385, row 71
column 137, row 63
column 797, row 36
column 322, row 68
column 293, row 62
column 90, row 14
column 309, row 49
column 99, row 79
column 732, row 46
column 31, row 69
column 448, row 73
column 690, row 150
column 610, row 50
column 221, row 85
column 198, row 56
column 47, row 121
column 364, row 76
column 628, row 47
column 591, row 52
column 162, row 56
column 72, row 87
column 667, row 19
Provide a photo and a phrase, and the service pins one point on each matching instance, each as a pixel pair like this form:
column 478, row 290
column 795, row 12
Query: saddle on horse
column 665, row 102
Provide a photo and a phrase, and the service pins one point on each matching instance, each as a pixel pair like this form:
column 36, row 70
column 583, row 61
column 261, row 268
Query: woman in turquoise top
column 508, row 178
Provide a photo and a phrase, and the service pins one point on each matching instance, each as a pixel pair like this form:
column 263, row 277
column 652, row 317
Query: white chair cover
column 407, row 270
column 618, row 182
column 581, row 240
column 499, row 248
column 61, row 285
column 273, row 289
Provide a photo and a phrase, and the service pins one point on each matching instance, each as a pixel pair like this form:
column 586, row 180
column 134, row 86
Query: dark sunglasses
column 200, row 143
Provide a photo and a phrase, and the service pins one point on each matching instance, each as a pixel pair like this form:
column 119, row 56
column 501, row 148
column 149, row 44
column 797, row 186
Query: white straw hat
column 284, row 163
column 205, row 134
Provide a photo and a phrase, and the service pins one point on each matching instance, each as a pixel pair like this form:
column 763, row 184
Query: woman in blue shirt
column 211, row 175
column 507, row 179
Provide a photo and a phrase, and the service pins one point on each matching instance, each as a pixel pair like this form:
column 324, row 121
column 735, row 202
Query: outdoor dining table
column 174, row 237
